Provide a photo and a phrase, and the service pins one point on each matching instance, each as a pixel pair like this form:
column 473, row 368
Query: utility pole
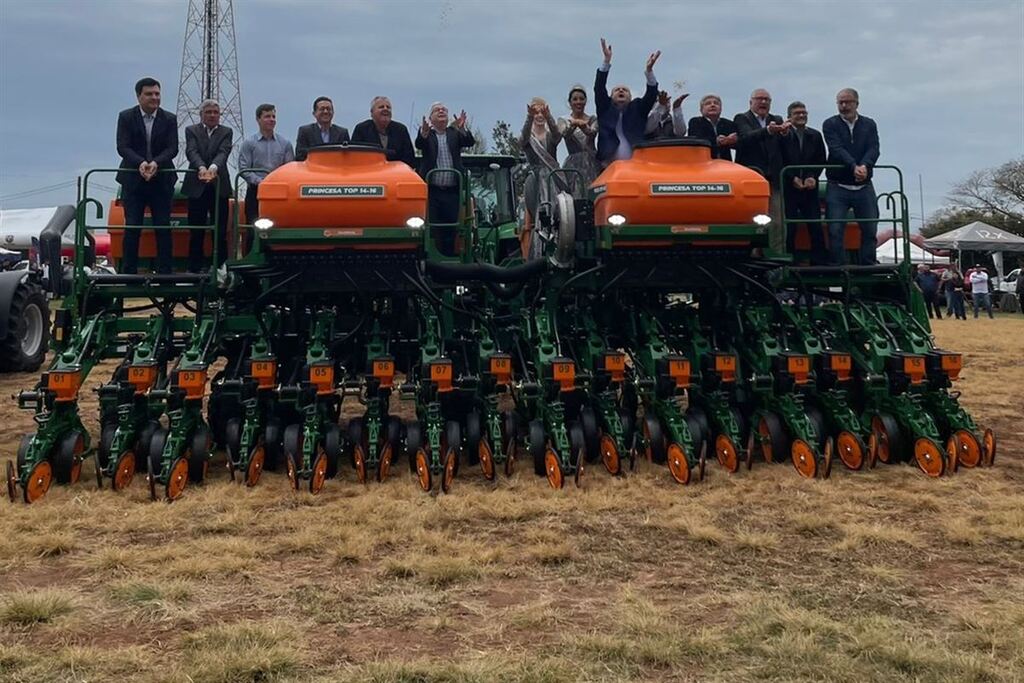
column 920, row 195
column 209, row 69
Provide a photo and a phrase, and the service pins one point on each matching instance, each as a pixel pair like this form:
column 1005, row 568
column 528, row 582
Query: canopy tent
column 978, row 236
column 891, row 251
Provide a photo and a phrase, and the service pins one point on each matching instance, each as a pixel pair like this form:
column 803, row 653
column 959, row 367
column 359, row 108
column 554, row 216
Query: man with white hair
column 207, row 147
column 621, row 120
column 442, row 146
column 382, row 130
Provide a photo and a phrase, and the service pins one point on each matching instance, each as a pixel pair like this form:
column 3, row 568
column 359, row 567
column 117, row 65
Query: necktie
column 148, row 125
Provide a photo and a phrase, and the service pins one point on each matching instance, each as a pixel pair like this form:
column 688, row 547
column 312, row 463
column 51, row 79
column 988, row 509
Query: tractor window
column 492, row 190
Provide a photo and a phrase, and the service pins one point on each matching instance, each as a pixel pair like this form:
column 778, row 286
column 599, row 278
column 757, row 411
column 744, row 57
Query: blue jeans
column 838, row 203
column 982, row 299
column 957, row 299
column 949, row 302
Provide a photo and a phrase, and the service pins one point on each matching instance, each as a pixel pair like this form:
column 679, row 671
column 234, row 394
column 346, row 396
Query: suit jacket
column 399, row 143
column 813, row 152
column 700, row 127
column 309, row 137
column 206, row 150
column 131, row 146
column 859, row 148
column 634, row 117
column 756, row 148
column 457, row 139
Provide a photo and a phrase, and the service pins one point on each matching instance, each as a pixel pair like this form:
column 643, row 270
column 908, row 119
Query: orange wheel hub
column 39, row 480
column 553, row 468
column 177, row 479
column 851, row 450
column 255, row 468
column 884, row 449
column 929, row 458
column 952, row 464
column 678, row 465
column 766, row 440
column 872, row 450
column 293, row 475
column 319, row 476
column 448, row 475
column 359, row 456
column 988, row 441
column 125, row 471
column 968, row 451
column 422, row 469
column 804, row 459
column 610, row 455
column 725, row 451
column 386, row 455
column 486, row 457
column 76, row 463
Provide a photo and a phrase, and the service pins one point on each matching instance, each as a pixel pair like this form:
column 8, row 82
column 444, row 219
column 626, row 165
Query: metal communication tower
column 209, row 68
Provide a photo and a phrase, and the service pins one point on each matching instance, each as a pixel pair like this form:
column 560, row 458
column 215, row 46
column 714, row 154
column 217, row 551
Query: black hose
column 484, row 272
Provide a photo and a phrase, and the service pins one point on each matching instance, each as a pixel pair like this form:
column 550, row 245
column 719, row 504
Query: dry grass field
column 871, row 576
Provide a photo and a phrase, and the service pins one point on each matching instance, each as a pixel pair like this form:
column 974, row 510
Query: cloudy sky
column 943, row 79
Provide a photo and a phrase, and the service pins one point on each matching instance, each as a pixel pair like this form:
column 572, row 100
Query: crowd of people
column 956, row 289
column 147, row 144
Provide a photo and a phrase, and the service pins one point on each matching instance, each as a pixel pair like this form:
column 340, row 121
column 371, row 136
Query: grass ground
column 870, row 576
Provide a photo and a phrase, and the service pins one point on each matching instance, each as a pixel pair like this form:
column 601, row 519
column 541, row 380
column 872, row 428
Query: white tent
column 19, row 226
column 891, row 251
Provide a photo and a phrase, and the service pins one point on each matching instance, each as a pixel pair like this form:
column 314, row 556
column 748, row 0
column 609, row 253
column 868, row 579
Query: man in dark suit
column 147, row 141
column 757, row 147
column 321, row 131
column 442, row 146
column 380, row 129
column 853, row 144
column 710, row 126
column 802, row 146
column 621, row 121
column 207, row 147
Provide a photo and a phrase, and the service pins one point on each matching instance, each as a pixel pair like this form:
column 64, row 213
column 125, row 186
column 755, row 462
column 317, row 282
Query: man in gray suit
column 321, row 131
column 207, row 146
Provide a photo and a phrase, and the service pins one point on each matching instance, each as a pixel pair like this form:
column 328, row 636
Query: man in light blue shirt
column 266, row 151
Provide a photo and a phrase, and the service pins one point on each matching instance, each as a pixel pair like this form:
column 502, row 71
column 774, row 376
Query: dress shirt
column 264, row 153
column 624, row 150
column 444, row 160
column 850, row 125
column 658, row 114
column 147, row 121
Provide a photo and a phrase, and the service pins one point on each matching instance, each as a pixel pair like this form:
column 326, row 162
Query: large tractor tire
column 26, row 334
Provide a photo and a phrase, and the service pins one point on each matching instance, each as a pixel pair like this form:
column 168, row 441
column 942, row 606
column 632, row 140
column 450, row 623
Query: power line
column 37, row 190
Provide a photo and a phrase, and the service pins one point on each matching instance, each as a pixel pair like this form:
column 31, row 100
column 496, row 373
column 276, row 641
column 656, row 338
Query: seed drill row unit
column 655, row 322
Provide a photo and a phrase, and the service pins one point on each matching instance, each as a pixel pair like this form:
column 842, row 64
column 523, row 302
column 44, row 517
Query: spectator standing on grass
column 954, row 288
column 981, row 294
column 929, row 284
column 945, row 291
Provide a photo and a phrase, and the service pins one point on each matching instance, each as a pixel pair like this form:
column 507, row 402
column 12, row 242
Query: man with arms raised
column 853, row 144
column 321, row 131
column 380, row 129
column 621, row 120
column 207, row 147
column 442, row 147
column 147, row 141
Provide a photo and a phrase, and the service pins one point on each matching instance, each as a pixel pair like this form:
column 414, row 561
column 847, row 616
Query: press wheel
column 384, row 468
column 872, row 450
column 448, row 473
column 486, row 458
column 749, row 455
column 577, row 476
column 292, row 470
column 702, row 461
column 12, row 481
column 988, row 447
column 422, row 469
column 538, row 447
column 510, row 459
column 804, row 459
column 725, row 451
column 67, row 458
column 124, row 471
column 199, row 455
column 591, row 433
column 827, row 459
column 474, row 435
column 177, row 479
column 654, row 437
column 319, row 474
column 773, row 438
column 968, row 449
column 890, row 441
column 413, row 442
column 359, row 460
column 951, row 456
column 851, row 450
column 929, row 457
column 257, row 459
column 553, row 468
column 678, row 465
column 39, row 480
column 610, row 455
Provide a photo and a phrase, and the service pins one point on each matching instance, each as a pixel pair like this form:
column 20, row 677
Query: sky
column 944, row 80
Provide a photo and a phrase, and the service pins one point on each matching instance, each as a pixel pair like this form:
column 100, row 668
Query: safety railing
column 895, row 201
column 463, row 191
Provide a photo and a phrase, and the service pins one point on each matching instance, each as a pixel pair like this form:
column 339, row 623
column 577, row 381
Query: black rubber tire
column 656, row 437
column 273, row 444
column 292, row 444
column 28, row 306
column 199, row 460
column 577, row 441
column 413, row 442
column 453, row 439
column 780, row 441
column 627, row 420
column 333, row 445
column 474, row 432
column 701, row 436
column 537, row 444
column 817, row 419
column 393, row 436
column 142, row 444
column 62, row 458
column 354, row 433
column 591, row 434
column 23, row 451
column 233, row 439
column 898, row 443
column 156, row 450
column 107, row 432
column 509, row 432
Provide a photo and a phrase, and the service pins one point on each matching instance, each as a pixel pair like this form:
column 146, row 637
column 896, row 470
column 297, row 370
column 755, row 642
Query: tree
column 992, row 195
column 507, row 142
column 951, row 217
column 479, row 145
